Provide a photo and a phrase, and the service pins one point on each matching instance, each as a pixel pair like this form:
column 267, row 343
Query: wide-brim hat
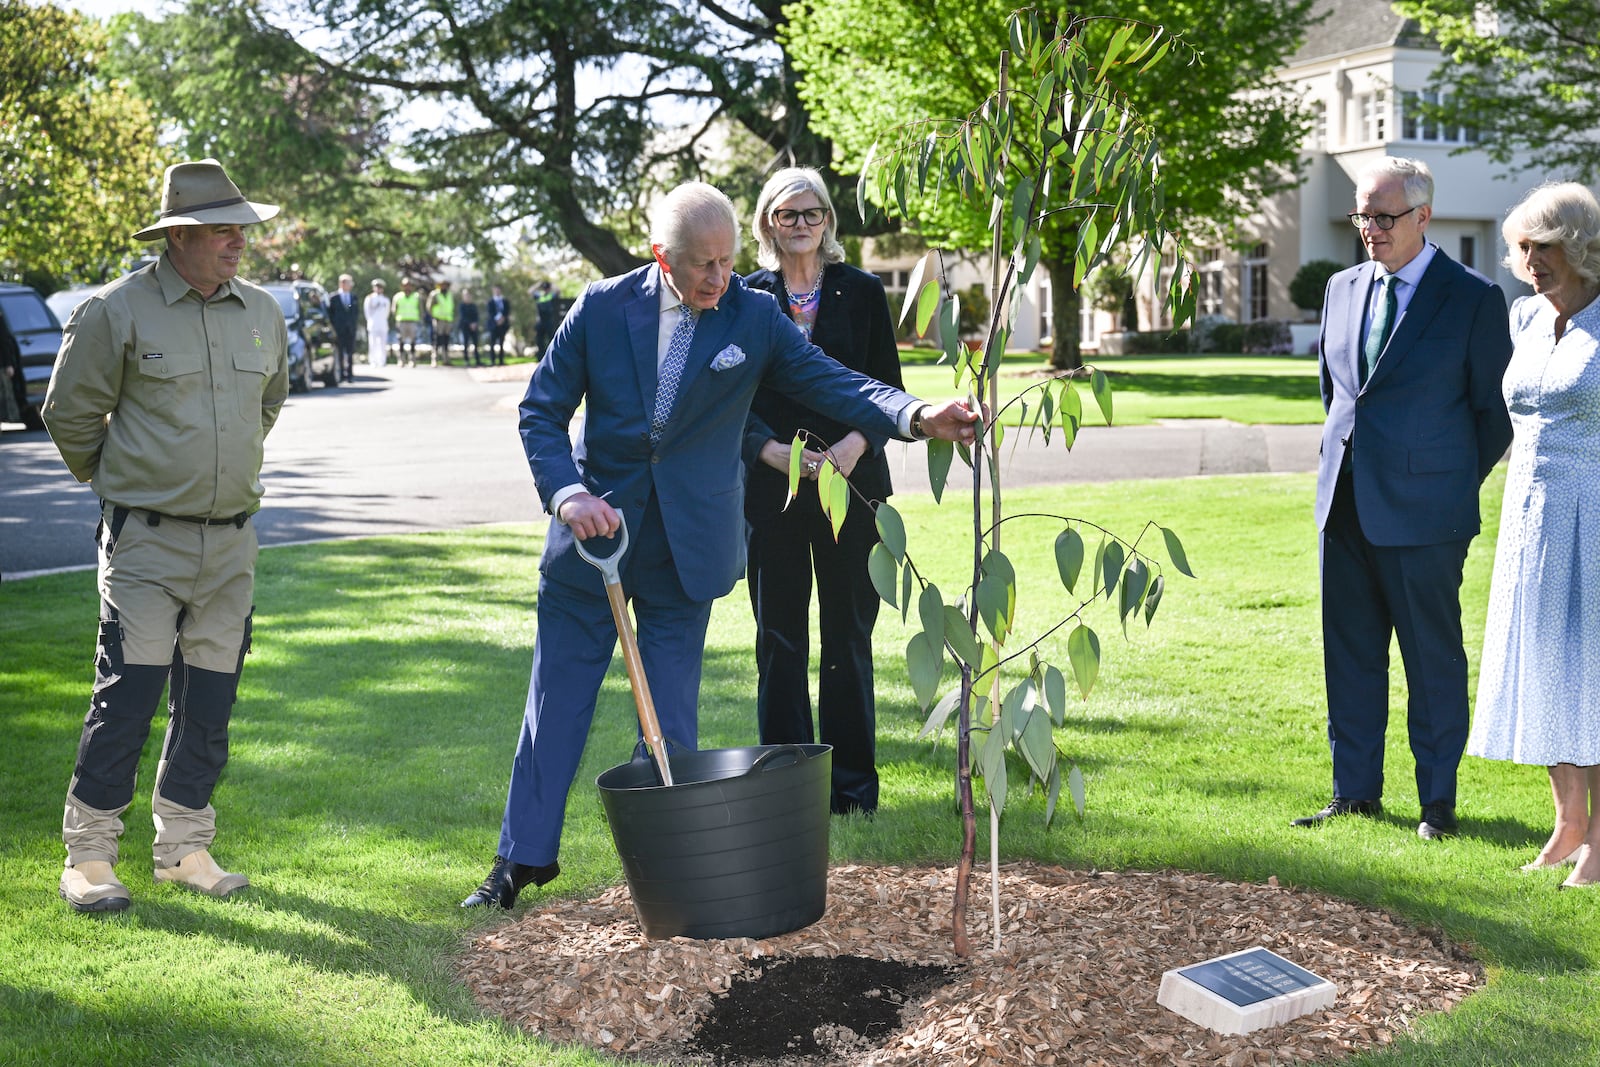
column 200, row 194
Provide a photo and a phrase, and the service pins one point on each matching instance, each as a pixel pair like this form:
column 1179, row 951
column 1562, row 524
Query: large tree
column 1230, row 133
column 559, row 116
column 79, row 160
column 1525, row 74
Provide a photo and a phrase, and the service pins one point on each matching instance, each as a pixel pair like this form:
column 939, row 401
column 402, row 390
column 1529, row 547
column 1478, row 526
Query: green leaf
column 925, row 664
column 927, row 305
column 994, row 602
column 1035, row 249
column 1114, row 49
column 1083, row 649
column 1075, row 787
column 915, row 292
column 930, row 611
column 839, row 498
column 1036, row 741
column 797, row 449
column 1055, row 695
column 1134, row 579
column 1069, row 557
column 1153, row 598
column 1175, row 552
column 950, row 328
column 1052, row 793
column 992, row 760
column 881, row 568
column 1111, row 562
column 1101, row 386
column 891, row 529
column 941, row 712
column 940, row 456
column 958, row 632
column 905, row 592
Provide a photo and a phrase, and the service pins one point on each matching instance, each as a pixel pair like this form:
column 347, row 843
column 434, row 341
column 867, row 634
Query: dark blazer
column 342, row 318
column 604, row 357
column 1430, row 423
column 853, row 326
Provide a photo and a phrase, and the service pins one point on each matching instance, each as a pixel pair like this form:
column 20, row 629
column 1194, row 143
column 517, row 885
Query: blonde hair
column 1556, row 213
column 787, row 183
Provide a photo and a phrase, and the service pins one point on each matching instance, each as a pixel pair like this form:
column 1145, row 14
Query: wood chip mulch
column 1074, row 981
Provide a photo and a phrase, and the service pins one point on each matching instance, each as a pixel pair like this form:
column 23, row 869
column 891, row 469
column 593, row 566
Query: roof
column 1340, row 27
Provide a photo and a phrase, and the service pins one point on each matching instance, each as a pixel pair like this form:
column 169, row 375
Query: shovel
column 648, row 723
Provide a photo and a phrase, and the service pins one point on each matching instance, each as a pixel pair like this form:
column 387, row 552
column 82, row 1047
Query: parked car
column 312, row 354
column 63, row 301
column 38, row 334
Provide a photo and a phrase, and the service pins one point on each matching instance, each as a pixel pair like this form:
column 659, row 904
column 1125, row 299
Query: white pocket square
column 731, row 356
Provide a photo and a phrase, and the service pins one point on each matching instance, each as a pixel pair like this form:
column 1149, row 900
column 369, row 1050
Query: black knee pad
column 124, row 701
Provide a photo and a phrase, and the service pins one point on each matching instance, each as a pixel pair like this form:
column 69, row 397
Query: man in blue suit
column 343, row 310
column 1413, row 349
column 665, row 361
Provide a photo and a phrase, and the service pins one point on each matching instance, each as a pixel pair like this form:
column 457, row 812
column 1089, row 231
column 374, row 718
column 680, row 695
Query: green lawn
column 1248, row 389
column 374, row 736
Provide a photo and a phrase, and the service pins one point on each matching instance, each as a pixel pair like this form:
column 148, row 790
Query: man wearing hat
column 167, row 382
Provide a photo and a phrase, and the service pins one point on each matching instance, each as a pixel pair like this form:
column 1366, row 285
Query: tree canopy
column 1525, row 74
column 1230, row 134
column 80, row 165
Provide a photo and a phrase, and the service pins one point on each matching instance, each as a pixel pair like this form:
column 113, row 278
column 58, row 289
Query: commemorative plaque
column 1243, row 991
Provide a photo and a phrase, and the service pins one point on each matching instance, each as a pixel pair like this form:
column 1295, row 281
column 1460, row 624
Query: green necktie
column 1382, row 326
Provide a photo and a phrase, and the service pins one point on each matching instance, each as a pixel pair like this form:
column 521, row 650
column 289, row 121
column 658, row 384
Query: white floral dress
column 1539, row 682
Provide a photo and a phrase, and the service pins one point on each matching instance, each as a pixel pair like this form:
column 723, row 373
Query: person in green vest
column 442, row 308
column 408, row 320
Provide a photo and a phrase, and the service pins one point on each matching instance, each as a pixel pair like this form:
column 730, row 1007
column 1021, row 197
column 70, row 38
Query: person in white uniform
column 376, row 309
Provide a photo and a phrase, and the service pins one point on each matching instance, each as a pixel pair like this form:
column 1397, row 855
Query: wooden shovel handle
column 648, row 723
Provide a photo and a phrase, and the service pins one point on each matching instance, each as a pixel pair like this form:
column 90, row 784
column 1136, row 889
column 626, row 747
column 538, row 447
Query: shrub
column 1310, row 283
column 1268, row 336
column 1200, row 335
column 1154, row 342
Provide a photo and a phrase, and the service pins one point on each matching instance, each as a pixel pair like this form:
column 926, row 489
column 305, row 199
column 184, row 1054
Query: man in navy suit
column 661, row 447
column 1413, row 349
column 343, row 310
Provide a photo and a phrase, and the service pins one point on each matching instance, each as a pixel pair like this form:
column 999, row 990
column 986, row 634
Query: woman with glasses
column 845, row 313
column 1539, row 684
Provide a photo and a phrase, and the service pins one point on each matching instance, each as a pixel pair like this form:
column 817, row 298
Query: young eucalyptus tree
column 1056, row 145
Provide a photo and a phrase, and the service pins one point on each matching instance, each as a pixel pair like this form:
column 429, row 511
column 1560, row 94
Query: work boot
column 92, row 886
column 198, row 871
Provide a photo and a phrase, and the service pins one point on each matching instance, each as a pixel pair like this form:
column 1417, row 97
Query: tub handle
column 763, row 761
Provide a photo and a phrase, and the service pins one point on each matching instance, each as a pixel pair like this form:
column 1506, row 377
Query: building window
column 1209, row 293
column 1047, row 314
column 1469, row 251
column 1318, row 137
column 1373, row 108
column 1253, row 279
column 1416, row 126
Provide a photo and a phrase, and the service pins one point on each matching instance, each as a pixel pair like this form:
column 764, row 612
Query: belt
column 155, row 518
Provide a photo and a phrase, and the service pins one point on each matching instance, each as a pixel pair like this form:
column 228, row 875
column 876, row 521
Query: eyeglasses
column 788, row 219
column 1384, row 222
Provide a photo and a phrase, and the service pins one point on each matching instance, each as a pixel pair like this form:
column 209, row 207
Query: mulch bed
column 874, row 982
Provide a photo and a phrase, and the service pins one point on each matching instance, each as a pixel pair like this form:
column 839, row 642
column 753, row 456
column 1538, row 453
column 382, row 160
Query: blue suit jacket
column 604, row 356
column 1430, row 423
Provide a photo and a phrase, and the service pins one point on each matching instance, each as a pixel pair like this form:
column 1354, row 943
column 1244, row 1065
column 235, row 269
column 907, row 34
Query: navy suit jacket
column 1430, row 423
column 604, row 357
column 343, row 319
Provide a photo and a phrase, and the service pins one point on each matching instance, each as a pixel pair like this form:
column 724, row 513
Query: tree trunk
column 1065, row 305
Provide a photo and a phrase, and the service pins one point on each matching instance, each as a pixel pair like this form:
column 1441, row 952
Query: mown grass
column 1146, row 389
column 375, row 731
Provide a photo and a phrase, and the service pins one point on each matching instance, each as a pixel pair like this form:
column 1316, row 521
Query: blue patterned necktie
column 1382, row 326
column 672, row 371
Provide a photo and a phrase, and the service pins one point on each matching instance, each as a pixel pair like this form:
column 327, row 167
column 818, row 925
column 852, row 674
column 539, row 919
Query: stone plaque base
column 1243, row 991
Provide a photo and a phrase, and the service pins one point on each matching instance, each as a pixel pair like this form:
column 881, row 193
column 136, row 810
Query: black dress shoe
column 1438, row 820
column 1341, row 806
column 507, row 879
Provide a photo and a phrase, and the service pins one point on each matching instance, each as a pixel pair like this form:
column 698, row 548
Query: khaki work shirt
column 162, row 400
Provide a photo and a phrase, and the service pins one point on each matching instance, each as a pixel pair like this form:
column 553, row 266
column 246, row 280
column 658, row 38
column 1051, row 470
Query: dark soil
column 812, row 1007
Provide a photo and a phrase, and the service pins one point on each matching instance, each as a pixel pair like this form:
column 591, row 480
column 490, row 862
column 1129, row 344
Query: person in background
column 1413, row 348
column 342, row 314
column 408, row 320
column 545, row 296
column 13, row 385
column 165, row 387
column 498, row 312
column 844, row 312
column 665, row 361
column 376, row 310
column 1539, row 683
column 467, row 315
column 441, row 309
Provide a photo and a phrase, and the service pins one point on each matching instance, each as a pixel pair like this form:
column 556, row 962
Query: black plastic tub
column 737, row 846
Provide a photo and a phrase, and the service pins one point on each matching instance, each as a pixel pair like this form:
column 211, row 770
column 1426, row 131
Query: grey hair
column 1416, row 178
column 1556, row 213
column 687, row 210
column 787, row 183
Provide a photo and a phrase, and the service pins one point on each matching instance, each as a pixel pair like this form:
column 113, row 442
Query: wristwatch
column 916, row 423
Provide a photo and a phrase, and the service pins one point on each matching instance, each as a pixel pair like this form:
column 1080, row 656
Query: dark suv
column 38, row 335
column 312, row 354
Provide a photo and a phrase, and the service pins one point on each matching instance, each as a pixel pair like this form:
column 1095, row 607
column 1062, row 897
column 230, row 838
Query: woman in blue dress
column 1539, row 684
